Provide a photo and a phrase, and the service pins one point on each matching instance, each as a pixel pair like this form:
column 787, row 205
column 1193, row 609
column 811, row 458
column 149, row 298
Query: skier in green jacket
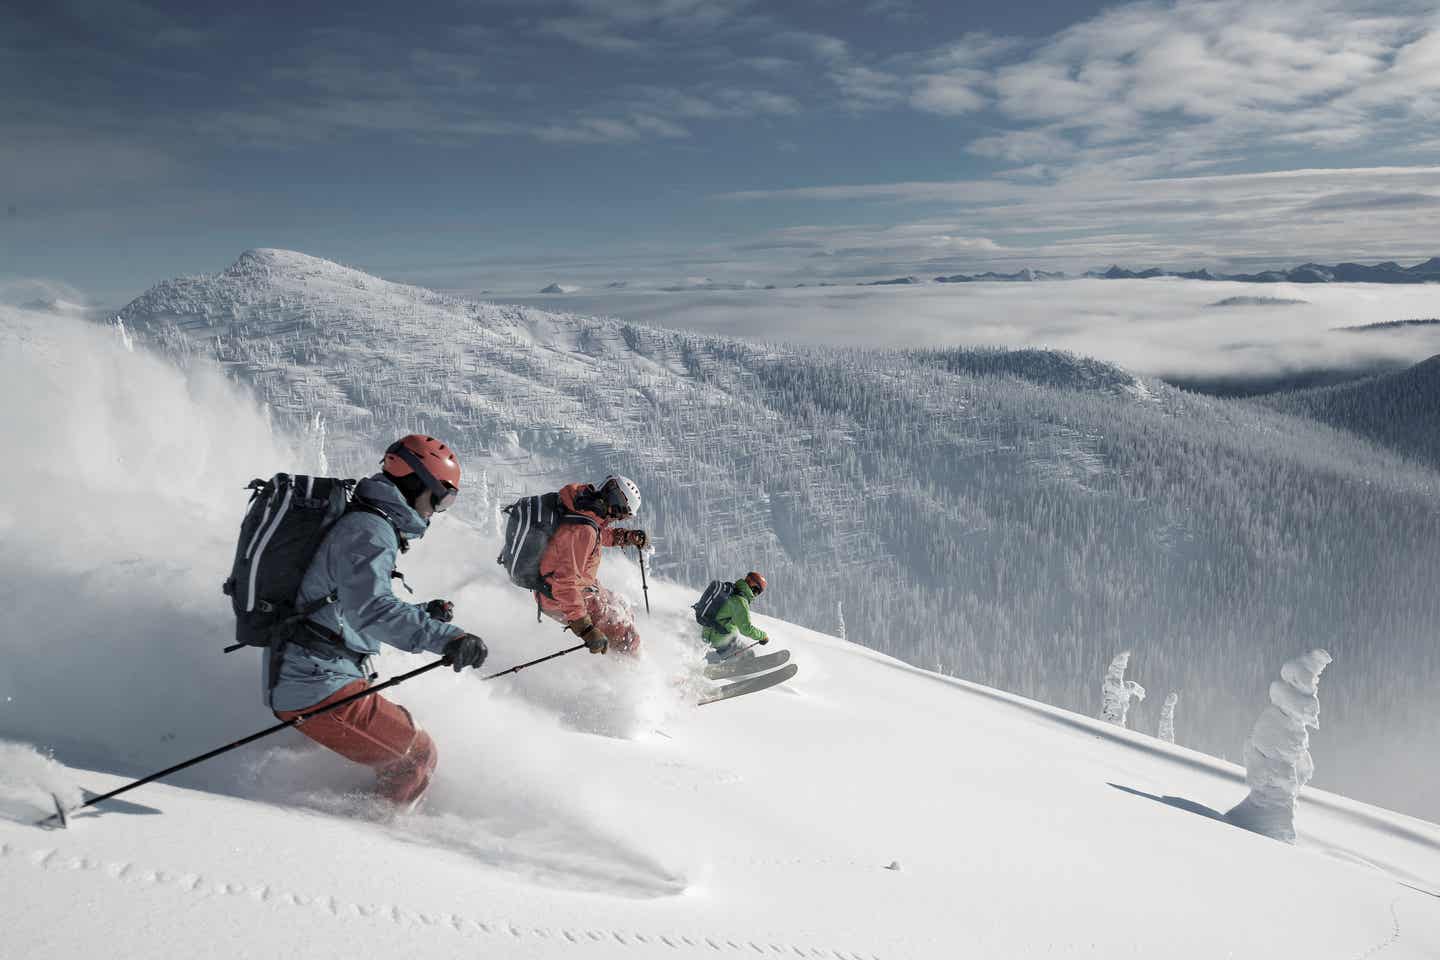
column 733, row 619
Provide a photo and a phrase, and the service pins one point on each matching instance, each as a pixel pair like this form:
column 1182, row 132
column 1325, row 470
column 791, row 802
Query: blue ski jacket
column 354, row 563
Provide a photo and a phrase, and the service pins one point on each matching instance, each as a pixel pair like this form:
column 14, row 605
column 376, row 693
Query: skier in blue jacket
column 325, row 658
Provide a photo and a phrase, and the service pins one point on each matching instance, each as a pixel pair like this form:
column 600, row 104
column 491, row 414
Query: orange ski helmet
column 756, row 582
column 430, row 460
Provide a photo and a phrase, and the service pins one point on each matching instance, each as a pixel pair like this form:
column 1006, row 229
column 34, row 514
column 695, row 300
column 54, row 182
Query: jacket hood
column 385, row 496
column 743, row 588
column 570, row 492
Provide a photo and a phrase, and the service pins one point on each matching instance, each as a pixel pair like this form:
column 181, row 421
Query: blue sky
column 497, row 145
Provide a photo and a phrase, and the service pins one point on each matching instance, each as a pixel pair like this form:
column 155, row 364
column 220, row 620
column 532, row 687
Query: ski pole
column 63, row 815
column 643, row 583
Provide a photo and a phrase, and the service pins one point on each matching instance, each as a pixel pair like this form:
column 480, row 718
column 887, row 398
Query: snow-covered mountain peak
column 267, row 265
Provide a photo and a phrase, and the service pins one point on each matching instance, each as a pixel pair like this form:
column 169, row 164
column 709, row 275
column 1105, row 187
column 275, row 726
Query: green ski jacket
column 734, row 616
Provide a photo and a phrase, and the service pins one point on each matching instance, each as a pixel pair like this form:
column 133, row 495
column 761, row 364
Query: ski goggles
column 445, row 502
column 442, row 495
column 614, row 499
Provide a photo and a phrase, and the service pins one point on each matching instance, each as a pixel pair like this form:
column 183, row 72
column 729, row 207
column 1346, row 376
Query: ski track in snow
column 52, row 858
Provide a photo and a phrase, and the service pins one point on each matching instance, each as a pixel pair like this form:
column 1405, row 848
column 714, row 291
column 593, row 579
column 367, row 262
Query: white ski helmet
column 621, row 496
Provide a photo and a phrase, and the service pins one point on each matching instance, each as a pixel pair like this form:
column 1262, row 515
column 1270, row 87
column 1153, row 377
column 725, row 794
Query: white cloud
column 758, row 102
column 823, row 47
column 595, row 34
column 659, row 126
column 1022, row 146
column 1152, row 327
column 1201, row 80
column 950, row 94
column 1080, row 221
column 864, row 88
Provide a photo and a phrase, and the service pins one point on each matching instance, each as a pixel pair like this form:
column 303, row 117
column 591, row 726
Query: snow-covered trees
column 1118, row 692
column 1167, row 717
column 1277, row 754
column 1012, row 517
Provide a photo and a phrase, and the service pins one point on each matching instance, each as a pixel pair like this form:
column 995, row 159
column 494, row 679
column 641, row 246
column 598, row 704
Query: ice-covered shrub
column 1167, row 717
column 1277, row 753
column 1119, row 691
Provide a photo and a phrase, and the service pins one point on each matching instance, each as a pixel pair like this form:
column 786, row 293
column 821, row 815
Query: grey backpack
column 530, row 523
column 711, row 601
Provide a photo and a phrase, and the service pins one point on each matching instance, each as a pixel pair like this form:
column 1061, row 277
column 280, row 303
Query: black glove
column 594, row 639
column 764, row 639
column 634, row 538
column 464, row 651
column 442, row 610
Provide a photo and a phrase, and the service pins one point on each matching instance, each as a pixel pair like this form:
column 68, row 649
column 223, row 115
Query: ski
column 754, row 684
column 742, row 666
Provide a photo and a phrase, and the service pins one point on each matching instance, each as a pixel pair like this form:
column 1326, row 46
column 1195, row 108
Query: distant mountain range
column 1022, row 276
column 1387, row 272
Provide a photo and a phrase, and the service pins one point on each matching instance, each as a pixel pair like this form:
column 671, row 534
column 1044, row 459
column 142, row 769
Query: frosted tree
column 1277, row 753
column 497, row 513
column 840, row 618
column 1119, row 691
column 1167, row 717
column 125, row 339
column 316, row 430
column 482, row 494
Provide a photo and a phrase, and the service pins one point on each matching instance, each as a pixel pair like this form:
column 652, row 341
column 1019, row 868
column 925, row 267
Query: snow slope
column 761, row 827
column 583, row 808
column 1013, row 517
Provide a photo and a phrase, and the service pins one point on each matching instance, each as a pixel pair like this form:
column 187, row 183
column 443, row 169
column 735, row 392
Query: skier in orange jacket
column 571, row 565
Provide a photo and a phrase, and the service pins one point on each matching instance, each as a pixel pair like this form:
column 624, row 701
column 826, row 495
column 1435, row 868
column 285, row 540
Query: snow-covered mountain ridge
column 1397, row 410
column 1015, row 517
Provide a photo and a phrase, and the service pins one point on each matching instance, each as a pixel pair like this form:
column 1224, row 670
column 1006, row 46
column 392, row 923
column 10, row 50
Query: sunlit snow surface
column 1015, row 518
column 584, row 808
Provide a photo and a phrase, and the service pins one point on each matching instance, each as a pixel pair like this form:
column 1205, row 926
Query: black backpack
column 287, row 519
column 710, row 602
column 531, row 522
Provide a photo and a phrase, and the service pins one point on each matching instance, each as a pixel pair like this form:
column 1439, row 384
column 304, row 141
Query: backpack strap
column 361, row 505
column 582, row 518
column 568, row 518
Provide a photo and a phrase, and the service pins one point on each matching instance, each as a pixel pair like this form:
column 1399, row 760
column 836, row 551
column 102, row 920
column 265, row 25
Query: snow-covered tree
column 1167, row 717
column 315, row 435
column 497, row 513
column 482, row 494
column 127, row 341
column 1277, row 753
column 1119, row 691
column 840, row 619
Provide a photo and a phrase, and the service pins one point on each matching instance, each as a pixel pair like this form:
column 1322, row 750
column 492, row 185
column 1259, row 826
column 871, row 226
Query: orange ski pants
column 379, row 734
column 608, row 612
